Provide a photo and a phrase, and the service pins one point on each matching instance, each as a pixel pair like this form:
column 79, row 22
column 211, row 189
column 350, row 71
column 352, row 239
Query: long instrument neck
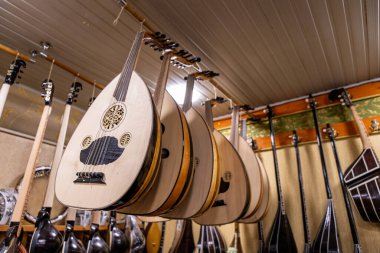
column 361, row 127
column 189, row 93
column 351, row 219
column 121, row 90
column 3, row 96
column 321, row 153
column 234, row 136
column 208, row 112
column 29, row 171
column 159, row 92
column 278, row 179
column 306, row 230
column 49, row 196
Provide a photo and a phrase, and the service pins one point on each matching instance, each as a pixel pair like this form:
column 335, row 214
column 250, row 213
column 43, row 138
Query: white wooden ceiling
column 266, row 51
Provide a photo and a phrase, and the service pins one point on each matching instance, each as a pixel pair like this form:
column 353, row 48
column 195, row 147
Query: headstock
column 331, row 132
column 75, row 88
column 295, row 137
column 204, row 75
column 269, row 111
column 217, row 100
column 183, row 59
column 312, row 102
column 91, row 100
column 47, row 94
column 14, row 70
column 342, row 95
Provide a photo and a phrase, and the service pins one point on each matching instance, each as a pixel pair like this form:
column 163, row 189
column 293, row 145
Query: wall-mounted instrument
column 183, row 239
column 11, row 241
column 362, row 177
column 327, row 238
column 136, row 236
column 262, row 208
column 206, row 180
column 70, row 243
column 114, row 152
column 117, row 240
column 153, row 237
column 306, row 230
column 8, row 199
column 14, row 69
column 281, row 237
column 355, row 237
column 46, row 238
column 96, row 244
column 218, row 240
column 232, row 200
column 176, row 169
column 235, row 245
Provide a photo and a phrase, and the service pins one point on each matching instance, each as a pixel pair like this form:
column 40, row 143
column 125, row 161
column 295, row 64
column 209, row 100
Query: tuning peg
column 74, row 100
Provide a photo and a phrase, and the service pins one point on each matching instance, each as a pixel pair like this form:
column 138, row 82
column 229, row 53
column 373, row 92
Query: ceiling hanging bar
column 51, row 59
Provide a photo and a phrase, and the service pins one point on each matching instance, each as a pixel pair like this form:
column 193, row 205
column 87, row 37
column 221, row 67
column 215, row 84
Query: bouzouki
column 10, row 78
column 262, row 208
column 137, row 237
column 235, row 245
column 176, row 170
column 46, row 238
column 117, row 240
column 281, row 237
column 70, row 243
column 327, row 238
column 96, row 244
column 233, row 196
column 153, row 237
column 205, row 185
column 355, row 237
column 202, row 245
column 114, row 152
column 218, row 239
column 184, row 239
column 306, row 230
column 11, row 241
column 362, row 177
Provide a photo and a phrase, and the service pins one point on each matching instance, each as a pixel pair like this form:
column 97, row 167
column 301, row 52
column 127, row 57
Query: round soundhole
column 113, row 117
column 125, row 139
column 86, row 142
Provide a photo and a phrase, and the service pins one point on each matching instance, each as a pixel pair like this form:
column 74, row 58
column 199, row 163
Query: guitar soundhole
column 113, row 117
column 125, row 139
column 165, row 153
column 86, row 142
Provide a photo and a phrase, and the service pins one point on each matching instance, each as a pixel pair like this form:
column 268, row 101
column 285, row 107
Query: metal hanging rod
column 57, row 63
column 149, row 26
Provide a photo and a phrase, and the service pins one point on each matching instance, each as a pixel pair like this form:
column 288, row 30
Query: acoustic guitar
column 12, row 239
column 183, row 239
column 117, row 239
column 351, row 219
column 261, row 211
column 327, row 237
column 233, row 196
column 114, row 153
column 281, row 237
column 362, row 177
column 176, row 170
column 305, row 221
column 13, row 72
column 96, row 244
column 46, row 238
column 250, row 160
column 204, row 189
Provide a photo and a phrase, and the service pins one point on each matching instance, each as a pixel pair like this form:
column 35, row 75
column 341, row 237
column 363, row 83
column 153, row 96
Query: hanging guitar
column 233, row 197
column 14, row 69
column 96, row 244
column 262, row 208
column 306, row 230
column 46, row 238
column 114, row 153
column 13, row 237
column 206, row 180
column 281, row 237
column 354, row 233
column 176, row 170
column 327, row 238
column 362, row 177
column 235, row 245
column 183, row 239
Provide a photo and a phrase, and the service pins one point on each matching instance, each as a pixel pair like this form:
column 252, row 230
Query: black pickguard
column 102, row 151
